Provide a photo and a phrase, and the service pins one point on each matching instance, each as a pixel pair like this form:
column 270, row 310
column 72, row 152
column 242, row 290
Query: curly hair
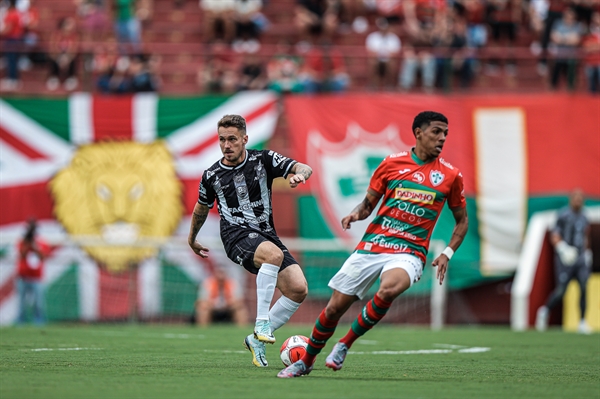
column 423, row 119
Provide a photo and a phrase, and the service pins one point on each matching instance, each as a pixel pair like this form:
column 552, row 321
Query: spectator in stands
column 32, row 53
column 391, row 10
column 218, row 19
column 221, row 299
column 113, row 78
column 324, row 70
column 249, row 23
column 537, row 12
column 383, row 48
column 95, row 21
column 591, row 51
column 283, row 70
column 12, row 34
column 418, row 53
column 504, row 17
column 573, row 260
column 565, row 39
column 31, row 252
column 64, row 47
column 140, row 79
column 455, row 57
column 554, row 13
column 220, row 72
column 127, row 26
column 252, row 73
column 473, row 11
column 315, row 18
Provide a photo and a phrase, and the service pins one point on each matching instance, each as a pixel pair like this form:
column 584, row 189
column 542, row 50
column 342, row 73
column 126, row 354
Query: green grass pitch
column 176, row 361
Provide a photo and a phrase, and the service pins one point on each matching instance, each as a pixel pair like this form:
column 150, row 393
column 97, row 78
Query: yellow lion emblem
column 119, row 193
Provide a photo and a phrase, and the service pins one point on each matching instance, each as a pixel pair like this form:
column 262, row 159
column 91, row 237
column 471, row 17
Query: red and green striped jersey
column 414, row 194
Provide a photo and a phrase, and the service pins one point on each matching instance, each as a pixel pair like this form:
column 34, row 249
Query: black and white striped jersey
column 243, row 193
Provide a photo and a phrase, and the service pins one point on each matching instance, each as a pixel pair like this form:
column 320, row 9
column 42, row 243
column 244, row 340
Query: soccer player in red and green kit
column 414, row 186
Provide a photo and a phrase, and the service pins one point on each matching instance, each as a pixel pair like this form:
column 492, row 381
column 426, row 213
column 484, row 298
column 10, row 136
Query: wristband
column 449, row 252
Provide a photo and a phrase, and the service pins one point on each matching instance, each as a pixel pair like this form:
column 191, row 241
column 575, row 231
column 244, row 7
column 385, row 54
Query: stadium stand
column 172, row 32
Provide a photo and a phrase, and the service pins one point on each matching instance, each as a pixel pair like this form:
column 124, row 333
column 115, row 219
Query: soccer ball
column 293, row 348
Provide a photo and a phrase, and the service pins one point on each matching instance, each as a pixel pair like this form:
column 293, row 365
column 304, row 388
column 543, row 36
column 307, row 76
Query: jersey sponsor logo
column 436, row 177
column 419, row 177
column 277, row 159
column 380, row 240
column 397, row 228
column 446, row 163
column 246, row 207
column 403, row 171
column 413, row 195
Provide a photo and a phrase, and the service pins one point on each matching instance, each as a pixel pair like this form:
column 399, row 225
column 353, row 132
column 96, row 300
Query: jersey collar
column 415, row 158
column 234, row 167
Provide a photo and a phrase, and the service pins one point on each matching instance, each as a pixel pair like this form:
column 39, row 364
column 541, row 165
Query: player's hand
column 441, row 262
column 346, row 221
column 567, row 253
column 295, row 180
column 199, row 249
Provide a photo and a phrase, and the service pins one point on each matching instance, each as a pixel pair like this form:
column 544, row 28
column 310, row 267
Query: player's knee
column 267, row 252
column 388, row 294
column 297, row 292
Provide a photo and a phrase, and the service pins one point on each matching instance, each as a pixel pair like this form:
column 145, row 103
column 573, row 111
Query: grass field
column 140, row 361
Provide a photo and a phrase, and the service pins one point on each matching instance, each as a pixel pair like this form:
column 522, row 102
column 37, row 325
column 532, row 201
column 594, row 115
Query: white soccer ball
column 293, row 349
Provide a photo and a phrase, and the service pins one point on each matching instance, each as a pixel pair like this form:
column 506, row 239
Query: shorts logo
column 252, row 235
column 436, row 177
column 412, row 195
column 418, row 177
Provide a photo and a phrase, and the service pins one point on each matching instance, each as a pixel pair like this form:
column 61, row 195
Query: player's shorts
column 360, row 271
column 242, row 252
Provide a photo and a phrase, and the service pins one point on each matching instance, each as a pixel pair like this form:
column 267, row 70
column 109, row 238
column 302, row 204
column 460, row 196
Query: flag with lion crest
column 115, row 178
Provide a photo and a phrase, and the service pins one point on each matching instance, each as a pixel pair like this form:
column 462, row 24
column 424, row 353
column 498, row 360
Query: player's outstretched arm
column 458, row 235
column 300, row 174
column 362, row 210
column 198, row 218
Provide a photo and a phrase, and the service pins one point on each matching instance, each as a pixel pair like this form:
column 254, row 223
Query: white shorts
column 360, row 271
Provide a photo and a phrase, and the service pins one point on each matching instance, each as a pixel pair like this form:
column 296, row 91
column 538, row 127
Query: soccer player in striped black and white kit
column 240, row 183
column 414, row 186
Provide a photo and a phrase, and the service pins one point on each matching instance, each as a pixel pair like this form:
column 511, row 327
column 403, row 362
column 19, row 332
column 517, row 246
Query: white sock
column 266, row 279
column 281, row 312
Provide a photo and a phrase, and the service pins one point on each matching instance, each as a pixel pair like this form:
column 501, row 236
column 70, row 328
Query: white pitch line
column 366, row 342
column 450, row 346
column 62, row 349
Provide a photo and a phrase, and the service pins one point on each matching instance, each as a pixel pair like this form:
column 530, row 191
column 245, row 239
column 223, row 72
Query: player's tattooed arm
column 362, row 210
column 301, row 173
column 198, row 218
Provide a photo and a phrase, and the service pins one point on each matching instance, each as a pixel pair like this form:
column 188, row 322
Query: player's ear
column 245, row 139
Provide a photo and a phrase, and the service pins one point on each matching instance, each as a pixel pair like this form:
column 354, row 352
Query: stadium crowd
column 402, row 45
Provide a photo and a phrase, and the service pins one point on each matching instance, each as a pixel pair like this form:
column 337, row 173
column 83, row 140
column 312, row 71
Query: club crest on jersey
column 419, row 177
column 436, row 177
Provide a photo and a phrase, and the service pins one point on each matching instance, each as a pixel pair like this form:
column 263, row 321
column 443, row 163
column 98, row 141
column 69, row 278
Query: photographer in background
column 31, row 251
